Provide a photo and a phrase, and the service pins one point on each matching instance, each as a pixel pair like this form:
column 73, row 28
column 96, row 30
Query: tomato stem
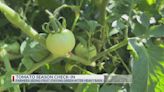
column 57, row 59
column 102, row 21
column 102, row 9
column 111, row 49
column 16, row 20
column 83, row 70
column 5, row 59
column 123, row 63
column 40, row 64
column 82, row 60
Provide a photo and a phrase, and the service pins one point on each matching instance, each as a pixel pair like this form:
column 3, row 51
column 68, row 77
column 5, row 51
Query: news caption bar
column 46, row 78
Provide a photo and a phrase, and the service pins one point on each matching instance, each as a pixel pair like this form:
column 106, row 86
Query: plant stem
column 77, row 15
column 40, row 64
column 81, row 60
column 7, row 64
column 102, row 20
column 123, row 63
column 5, row 59
column 56, row 59
column 102, row 9
column 111, row 49
column 17, row 21
column 130, row 18
column 83, row 70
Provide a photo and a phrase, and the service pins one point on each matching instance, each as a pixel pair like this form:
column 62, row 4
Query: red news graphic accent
column 13, row 78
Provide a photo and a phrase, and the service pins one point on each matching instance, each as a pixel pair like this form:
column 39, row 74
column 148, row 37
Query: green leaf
column 87, row 88
column 93, row 25
column 83, row 25
column 38, row 52
column 139, row 29
column 144, row 20
column 89, row 25
column 25, row 48
column 27, row 62
column 148, row 69
column 110, row 88
column 161, row 8
column 156, row 31
column 33, row 50
column 118, row 25
column 113, row 32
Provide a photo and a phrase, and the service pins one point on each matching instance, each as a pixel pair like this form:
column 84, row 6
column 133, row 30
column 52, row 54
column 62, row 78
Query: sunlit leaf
column 148, row 69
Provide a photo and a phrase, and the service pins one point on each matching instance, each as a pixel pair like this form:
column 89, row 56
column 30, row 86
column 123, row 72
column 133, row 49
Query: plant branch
column 5, row 59
column 102, row 9
column 40, row 64
column 56, row 59
column 111, row 49
column 17, row 21
column 123, row 63
column 81, row 60
column 102, row 20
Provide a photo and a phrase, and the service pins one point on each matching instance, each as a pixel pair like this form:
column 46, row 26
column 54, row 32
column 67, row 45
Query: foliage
column 127, row 36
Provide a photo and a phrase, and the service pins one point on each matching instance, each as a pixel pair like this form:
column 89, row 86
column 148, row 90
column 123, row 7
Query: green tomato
column 85, row 52
column 61, row 43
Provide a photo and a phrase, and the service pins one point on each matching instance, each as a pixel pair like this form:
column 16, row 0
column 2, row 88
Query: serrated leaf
column 148, row 69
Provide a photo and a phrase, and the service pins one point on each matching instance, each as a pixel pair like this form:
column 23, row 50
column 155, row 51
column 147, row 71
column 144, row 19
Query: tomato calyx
column 54, row 25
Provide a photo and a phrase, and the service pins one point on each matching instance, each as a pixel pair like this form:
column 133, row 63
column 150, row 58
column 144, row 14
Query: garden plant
column 122, row 37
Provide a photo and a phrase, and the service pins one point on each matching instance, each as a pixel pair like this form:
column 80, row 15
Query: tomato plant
column 110, row 37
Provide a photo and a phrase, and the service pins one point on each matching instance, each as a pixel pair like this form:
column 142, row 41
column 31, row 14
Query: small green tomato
column 85, row 52
column 60, row 43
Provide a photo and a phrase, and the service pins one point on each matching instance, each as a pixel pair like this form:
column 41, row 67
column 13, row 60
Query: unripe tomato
column 60, row 43
column 85, row 52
